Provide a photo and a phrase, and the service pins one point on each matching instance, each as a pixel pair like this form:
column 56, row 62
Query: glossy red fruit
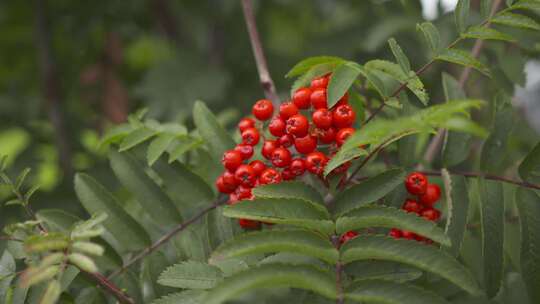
column 249, row 224
column 268, row 148
column 306, row 144
column 298, row 125
column 245, row 175
column 431, row 196
column 270, row 176
column 343, row 116
column 431, row 214
column 281, row 157
column 246, row 123
column 222, row 187
column 286, row 140
column 419, row 238
column 258, row 166
column 263, row 109
column 251, row 137
column 320, row 82
column 412, row 206
column 327, row 136
column 395, row 233
column 416, row 183
column 301, row 98
column 229, row 180
column 297, row 166
column 322, row 118
column 287, row 174
column 245, row 150
column 342, row 135
column 318, row 99
column 347, row 236
column 408, row 235
column 244, row 193
column 315, row 162
column 231, row 160
column 287, row 109
column 277, row 126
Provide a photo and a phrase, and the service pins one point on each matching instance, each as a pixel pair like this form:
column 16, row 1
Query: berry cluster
column 427, row 195
column 301, row 137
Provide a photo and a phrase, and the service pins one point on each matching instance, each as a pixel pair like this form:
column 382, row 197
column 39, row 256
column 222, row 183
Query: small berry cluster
column 427, row 195
column 301, row 138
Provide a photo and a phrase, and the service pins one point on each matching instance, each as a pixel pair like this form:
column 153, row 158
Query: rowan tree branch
column 265, row 79
column 486, row 176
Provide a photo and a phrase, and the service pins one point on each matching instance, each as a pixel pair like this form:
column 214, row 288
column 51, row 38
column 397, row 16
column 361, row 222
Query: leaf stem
column 486, row 176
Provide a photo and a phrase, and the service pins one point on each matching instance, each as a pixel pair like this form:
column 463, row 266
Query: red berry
column 298, row 125
column 263, row 109
column 431, row 214
column 281, row 157
column 270, row 176
column 347, row 236
column 231, row 160
column 297, row 166
column 395, row 233
column 251, row 136
column 286, row 140
column 318, row 99
column 322, row 118
column 233, row 199
column 268, row 148
column 342, row 135
column 321, row 82
column 416, row 183
column 412, row 206
column 419, row 238
column 301, row 98
column 287, row 109
column 315, row 162
column 306, row 144
column 277, row 126
column 245, row 175
column 326, row 136
column 249, row 224
column 343, row 116
column 245, row 150
column 431, row 196
column 287, row 174
column 246, row 123
column 222, row 187
column 258, row 166
column 408, row 235
column 229, row 180
column 428, row 241
column 244, row 193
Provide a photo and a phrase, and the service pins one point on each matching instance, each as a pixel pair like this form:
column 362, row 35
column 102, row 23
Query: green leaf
column 219, row 228
column 56, row 219
column 7, row 264
column 486, row 33
column 463, row 58
column 158, row 146
column 47, row 242
column 384, row 270
column 515, row 20
column 457, row 201
column 492, row 151
column 192, row 275
column 400, row 56
column 342, row 79
column 52, row 293
column 382, row 291
column 492, row 220
column 341, row 158
column 461, row 14
column 82, row 262
column 315, row 71
column 485, row 8
column 184, row 297
column 183, row 145
column 289, row 189
column 294, row 241
column 21, row 178
column 274, row 275
column 431, row 35
column 532, row 5
column 148, row 194
column 368, row 191
column 427, row 258
column 307, row 64
column 529, row 169
column 216, row 138
column 528, row 203
column 95, row 198
column 136, row 137
column 388, row 217
column 295, row 212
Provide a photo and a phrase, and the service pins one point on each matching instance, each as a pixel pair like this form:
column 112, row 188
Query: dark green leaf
column 216, row 138
column 495, row 145
column 457, row 201
column 431, row 35
column 342, row 79
column 462, row 14
column 158, row 146
column 390, row 271
column 183, row 145
column 307, row 64
column 184, row 297
column 515, row 20
column 192, row 275
column 57, row 220
column 136, row 137
column 529, row 169
column 462, row 58
column 220, row 228
column 401, row 58
column 382, row 291
column 486, row 33
column 315, row 71
column 289, row 189
column 532, row 5
column 341, row 158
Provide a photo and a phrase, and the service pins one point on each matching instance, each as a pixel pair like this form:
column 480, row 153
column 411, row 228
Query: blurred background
column 69, row 69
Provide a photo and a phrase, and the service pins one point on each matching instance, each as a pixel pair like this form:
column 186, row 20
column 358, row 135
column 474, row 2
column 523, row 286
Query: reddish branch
column 264, row 76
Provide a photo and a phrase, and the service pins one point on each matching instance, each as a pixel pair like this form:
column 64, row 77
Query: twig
column 264, row 76
column 165, row 238
column 486, row 176
column 9, row 238
column 437, row 140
